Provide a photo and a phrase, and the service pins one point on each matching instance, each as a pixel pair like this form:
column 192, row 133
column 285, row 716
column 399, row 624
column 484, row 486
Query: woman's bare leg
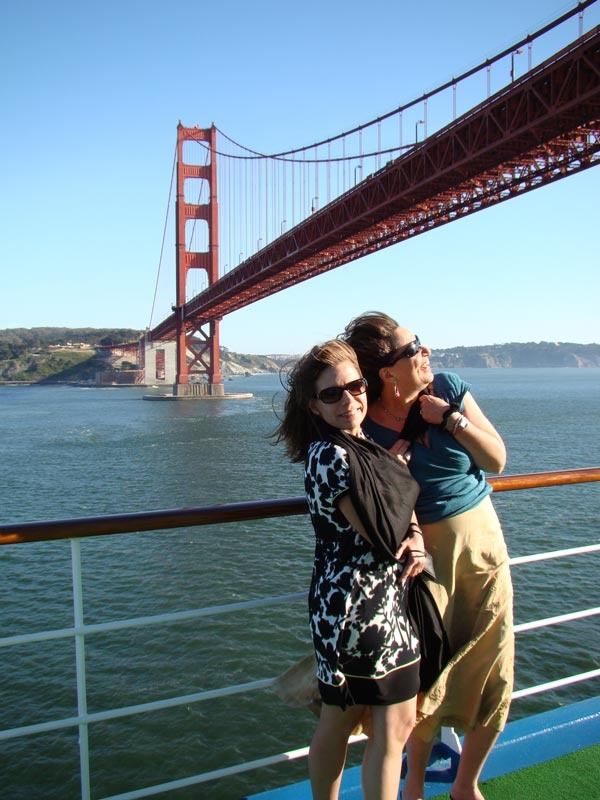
column 382, row 762
column 327, row 754
column 477, row 745
column 418, row 752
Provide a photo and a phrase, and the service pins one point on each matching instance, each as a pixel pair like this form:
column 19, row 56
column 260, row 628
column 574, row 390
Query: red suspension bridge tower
column 197, row 346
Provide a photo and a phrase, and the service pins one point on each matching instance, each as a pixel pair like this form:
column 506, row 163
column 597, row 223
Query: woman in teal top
column 435, row 423
column 449, row 480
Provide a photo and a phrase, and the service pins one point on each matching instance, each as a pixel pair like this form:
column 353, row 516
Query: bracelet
column 417, row 553
column 450, row 410
column 462, row 423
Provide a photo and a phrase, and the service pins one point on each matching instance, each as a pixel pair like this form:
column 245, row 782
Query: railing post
column 84, row 750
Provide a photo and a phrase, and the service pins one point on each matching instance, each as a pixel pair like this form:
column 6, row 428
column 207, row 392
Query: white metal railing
column 83, row 719
column 80, row 631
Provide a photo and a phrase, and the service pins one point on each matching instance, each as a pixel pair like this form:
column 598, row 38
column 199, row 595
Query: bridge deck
column 539, row 129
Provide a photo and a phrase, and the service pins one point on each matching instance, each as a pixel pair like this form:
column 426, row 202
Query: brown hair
column 371, row 335
column 298, row 427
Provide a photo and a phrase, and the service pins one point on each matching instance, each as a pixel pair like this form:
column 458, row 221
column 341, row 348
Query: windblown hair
column 371, row 336
column 299, row 426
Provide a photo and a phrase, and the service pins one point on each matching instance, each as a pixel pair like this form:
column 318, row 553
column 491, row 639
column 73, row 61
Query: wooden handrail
column 537, row 480
column 80, row 527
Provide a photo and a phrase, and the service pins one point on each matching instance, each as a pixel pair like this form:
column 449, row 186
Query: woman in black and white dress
column 367, row 546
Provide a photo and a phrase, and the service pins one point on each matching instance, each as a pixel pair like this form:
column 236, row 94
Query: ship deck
column 550, row 755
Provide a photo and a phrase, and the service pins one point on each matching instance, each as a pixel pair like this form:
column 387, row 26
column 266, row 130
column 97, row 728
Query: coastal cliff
column 529, row 354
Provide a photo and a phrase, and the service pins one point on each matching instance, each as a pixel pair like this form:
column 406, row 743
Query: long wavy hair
column 299, row 426
column 371, row 336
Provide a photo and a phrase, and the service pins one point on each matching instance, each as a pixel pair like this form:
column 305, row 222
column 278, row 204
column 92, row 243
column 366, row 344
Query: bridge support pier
column 199, row 389
column 160, row 372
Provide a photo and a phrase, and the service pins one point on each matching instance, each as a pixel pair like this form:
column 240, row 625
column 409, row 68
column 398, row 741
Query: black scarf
column 382, row 489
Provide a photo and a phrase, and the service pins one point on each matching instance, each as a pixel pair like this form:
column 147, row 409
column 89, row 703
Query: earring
column 396, row 392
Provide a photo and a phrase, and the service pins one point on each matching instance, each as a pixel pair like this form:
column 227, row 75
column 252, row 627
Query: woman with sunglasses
column 448, row 442
column 367, row 544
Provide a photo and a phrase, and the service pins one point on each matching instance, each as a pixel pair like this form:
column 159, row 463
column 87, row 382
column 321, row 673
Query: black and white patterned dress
column 357, row 601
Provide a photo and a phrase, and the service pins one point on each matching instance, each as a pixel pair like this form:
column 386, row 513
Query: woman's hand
column 401, row 449
column 432, row 408
column 413, row 549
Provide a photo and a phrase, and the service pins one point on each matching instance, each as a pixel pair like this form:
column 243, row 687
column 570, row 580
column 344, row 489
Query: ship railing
column 78, row 528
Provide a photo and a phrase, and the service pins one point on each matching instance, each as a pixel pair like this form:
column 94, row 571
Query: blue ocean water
column 70, row 451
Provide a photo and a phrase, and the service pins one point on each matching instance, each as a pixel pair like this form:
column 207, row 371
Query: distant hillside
column 50, row 355
column 72, row 355
column 240, row 364
column 529, row 354
column 16, row 341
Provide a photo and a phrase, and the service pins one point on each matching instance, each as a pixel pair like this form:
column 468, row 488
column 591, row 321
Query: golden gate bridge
column 252, row 224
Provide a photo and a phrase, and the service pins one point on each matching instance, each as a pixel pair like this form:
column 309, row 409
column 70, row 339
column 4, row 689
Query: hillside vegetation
column 72, row 355
column 48, row 355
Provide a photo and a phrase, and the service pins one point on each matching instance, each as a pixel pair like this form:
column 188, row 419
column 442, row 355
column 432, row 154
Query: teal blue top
column 450, row 481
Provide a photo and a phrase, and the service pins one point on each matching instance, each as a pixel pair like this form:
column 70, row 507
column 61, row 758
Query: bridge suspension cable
column 264, row 195
column 164, row 237
column 508, row 51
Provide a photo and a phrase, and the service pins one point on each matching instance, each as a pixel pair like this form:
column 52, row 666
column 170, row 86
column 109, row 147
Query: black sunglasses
column 333, row 394
column 410, row 351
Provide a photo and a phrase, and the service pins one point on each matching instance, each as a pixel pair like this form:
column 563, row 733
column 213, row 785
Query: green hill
column 50, row 355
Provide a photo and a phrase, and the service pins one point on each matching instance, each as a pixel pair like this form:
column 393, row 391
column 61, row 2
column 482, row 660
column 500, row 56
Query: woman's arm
column 478, row 436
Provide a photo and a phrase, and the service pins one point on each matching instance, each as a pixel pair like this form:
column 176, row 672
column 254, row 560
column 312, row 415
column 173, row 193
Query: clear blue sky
column 91, row 94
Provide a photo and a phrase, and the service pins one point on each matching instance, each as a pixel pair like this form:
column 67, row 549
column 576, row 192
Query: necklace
column 393, row 416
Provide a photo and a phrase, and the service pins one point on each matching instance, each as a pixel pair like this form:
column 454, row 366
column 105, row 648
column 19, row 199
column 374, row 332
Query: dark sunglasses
column 333, row 394
column 410, row 351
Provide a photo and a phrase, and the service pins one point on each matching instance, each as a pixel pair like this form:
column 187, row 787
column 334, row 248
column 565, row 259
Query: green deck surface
column 575, row 776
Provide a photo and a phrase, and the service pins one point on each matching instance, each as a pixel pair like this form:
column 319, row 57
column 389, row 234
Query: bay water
column 69, row 451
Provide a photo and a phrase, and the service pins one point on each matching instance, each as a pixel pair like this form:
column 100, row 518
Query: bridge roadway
column 543, row 127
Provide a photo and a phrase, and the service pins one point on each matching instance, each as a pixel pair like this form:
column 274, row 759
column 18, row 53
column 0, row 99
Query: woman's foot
column 472, row 794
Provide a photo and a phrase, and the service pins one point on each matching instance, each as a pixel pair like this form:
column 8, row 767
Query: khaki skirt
column 475, row 597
